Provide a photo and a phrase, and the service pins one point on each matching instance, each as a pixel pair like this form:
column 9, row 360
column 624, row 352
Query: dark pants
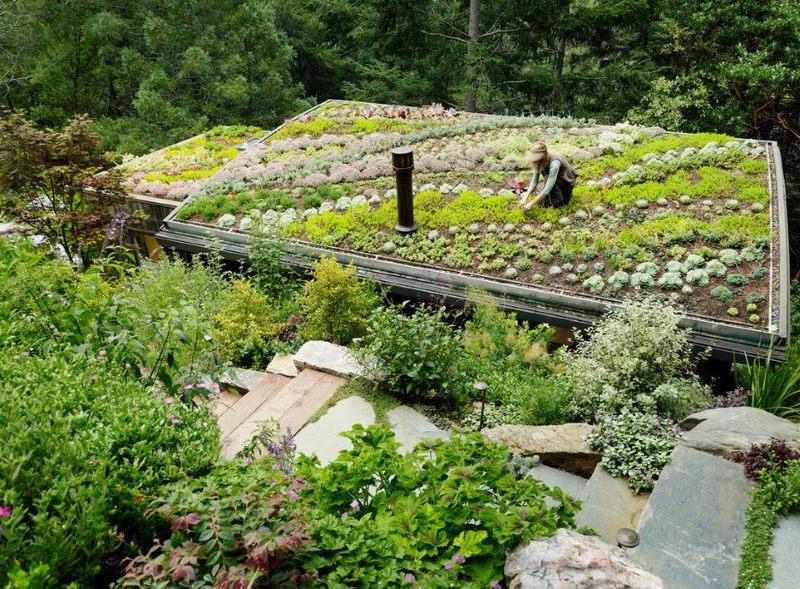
column 559, row 195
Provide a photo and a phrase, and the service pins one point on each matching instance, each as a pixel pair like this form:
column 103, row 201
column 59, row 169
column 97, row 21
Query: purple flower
column 188, row 387
column 495, row 585
column 648, row 477
column 169, row 400
column 93, row 378
column 410, row 578
column 459, row 558
column 356, row 507
column 448, row 565
column 247, row 460
column 293, row 495
column 345, row 515
column 5, row 511
column 174, row 420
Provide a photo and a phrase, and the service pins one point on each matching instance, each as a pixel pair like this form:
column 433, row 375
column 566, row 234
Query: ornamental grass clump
column 637, row 358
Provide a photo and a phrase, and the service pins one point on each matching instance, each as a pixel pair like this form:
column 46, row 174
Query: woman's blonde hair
column 538, row 156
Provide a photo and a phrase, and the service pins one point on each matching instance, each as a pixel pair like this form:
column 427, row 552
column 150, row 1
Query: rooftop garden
column 681, row 217
column 178, row 170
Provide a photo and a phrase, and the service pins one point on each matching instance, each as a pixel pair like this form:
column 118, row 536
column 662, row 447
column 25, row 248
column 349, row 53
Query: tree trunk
column 562, row 45
column 474, row 35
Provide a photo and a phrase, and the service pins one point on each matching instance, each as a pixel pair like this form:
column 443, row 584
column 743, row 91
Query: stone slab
column 244, row 380
column 553, row 477
column 283, row 364
column 328, row 357
column 323, row 438
column 608, row 505
column 569, row 560
column 411, row 427
column 725, row 431
column 559, row 446
column 692, row 528
column 785, row 553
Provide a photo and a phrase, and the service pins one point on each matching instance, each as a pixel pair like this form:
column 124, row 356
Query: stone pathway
column 785, row 553
column 289, row 401
column 692, row 528
column 411, row 427
column 323, row 438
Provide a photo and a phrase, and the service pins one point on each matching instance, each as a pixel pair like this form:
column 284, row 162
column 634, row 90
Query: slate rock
column 569, row 560
column 283, row 364
column 727, row 430
column 560, row 446
column 608, row 505
column 410, row 427
column 784, row 553
column 692, row 528
column 327, row 357
column 323, row 438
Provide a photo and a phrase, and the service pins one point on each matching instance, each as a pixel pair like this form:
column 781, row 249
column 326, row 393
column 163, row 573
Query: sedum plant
column 636, row 357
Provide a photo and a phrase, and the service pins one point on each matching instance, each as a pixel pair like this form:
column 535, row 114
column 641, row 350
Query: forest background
column 153, row 72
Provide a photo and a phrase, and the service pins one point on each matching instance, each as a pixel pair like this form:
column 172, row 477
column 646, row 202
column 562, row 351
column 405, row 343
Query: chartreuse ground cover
column 177, row 170
column 682, row 217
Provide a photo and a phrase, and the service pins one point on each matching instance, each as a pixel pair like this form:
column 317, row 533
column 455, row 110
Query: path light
column 403, row 164
column 481, row 387
column 627, row 538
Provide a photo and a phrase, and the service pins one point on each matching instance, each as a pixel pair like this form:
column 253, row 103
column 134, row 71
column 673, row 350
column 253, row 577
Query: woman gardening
column 559, row 174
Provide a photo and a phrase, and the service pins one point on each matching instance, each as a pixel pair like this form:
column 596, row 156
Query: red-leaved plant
column 772, row 456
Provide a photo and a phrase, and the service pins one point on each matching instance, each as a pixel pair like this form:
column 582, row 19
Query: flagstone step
column 291, row 404
column 241, row 410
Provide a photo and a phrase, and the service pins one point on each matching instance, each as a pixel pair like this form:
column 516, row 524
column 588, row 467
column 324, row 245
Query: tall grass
column 773, row 388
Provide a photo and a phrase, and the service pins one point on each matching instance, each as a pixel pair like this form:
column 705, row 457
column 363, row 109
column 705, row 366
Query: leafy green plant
column 245, row 323
column 776, row 469
column 634, row 445
column 385, row 515
column 417, row 355
column 335, row 303
column 84, row 443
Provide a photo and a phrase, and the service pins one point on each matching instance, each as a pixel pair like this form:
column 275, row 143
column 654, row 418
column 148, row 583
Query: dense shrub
column 417, row 355
column 246, row 322
column 83, row 443
column 444, row 516
column 335, row 303
column 495, row 336
column 635, row 357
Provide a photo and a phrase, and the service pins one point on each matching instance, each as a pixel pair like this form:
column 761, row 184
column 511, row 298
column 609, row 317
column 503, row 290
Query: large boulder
column 725, row 431
column 560, row 446
column 569, row 560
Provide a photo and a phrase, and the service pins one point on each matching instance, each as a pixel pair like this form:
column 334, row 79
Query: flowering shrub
column 634, row 445
column 636, row 357
column 442, row 516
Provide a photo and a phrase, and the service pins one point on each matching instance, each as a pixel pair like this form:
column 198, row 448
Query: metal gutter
column 784, row 282
column 418, row 281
